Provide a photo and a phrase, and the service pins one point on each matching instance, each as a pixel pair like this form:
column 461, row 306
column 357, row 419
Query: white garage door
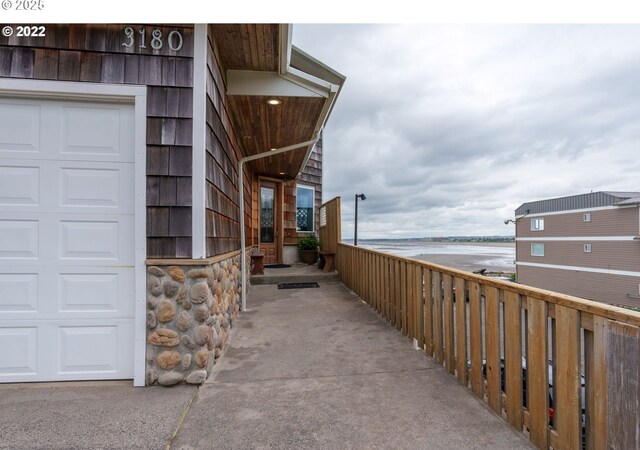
column 66, row 240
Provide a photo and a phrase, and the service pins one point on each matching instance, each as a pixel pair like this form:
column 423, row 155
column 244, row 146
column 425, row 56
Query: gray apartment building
column 583, row 245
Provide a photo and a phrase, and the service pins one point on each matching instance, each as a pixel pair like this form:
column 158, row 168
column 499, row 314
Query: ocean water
column 499, row 256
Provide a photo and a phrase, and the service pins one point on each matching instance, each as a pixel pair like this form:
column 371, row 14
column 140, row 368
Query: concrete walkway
column 317, row 368
column 306, row 368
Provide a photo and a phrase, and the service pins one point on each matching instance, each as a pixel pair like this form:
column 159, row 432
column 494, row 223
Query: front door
column 269, row 222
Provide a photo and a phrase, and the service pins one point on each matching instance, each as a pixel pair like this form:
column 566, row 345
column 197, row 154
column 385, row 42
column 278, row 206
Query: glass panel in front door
column 267, row 216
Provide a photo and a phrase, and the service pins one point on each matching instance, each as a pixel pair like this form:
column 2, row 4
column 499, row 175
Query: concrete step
column 293, row 275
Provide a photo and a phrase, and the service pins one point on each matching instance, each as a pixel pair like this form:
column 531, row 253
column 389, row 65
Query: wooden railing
column 486, row 331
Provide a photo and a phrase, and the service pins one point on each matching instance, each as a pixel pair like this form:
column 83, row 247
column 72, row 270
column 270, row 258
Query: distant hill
column 450, row 239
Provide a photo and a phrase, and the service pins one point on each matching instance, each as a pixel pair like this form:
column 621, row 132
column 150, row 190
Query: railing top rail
column 581, row 304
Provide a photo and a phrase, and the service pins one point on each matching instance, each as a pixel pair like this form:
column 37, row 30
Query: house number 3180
column 156, row 40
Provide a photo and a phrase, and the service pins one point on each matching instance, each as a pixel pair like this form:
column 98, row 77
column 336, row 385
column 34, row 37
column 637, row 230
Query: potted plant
column 308, row 249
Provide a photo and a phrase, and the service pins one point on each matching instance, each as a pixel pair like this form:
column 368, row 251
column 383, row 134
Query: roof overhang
column 272, row 69
column 629, row 202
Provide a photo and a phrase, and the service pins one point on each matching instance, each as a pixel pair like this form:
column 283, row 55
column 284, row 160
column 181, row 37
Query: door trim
column 132, row 94
column 279, row 214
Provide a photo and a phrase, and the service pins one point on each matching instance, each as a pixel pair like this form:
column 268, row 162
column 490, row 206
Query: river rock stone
column 170, row 378
column 152, row 301
column 166, row 311
column 164, row 338
column 201, row 313
column 171, row 289
column 199, row 292
column 197, row 377
column 186, row 304
column 186, row 361
column 202, row 358
column 201, row 335
column 168, row 360
column 176, row 273
column 216, row 270
column 151, row 376
column 151, row 320
column 198, row 273
column 212, row 339
column 184, row 321
column 157, row 271
column 154, row 286
column 182, row 294
column 188, row 342
column 218, row 353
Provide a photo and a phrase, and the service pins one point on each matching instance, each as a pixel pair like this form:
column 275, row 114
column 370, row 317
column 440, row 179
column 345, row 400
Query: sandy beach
column 468, row 263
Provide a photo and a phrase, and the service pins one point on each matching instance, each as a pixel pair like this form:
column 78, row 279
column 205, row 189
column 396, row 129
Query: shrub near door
column 308, row 249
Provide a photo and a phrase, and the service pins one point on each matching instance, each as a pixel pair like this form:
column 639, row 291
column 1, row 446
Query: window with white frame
column 587, row 248
column 304, row 208
column 586, row 217
column 537, row 249
column 537, row 224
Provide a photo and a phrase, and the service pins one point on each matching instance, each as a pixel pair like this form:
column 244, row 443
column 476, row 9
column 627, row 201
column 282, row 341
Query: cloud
column 447, row 129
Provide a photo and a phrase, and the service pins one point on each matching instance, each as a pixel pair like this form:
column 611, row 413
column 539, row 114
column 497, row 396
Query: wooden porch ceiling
column 258, row 125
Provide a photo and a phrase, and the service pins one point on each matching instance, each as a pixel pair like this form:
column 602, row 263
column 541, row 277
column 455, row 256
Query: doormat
column 297, row 285
column 276, row 266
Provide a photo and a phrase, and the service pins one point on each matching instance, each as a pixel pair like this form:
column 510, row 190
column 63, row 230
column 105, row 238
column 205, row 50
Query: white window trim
column 117, row 93
column 313, row 196
column 586, row 217
column 587, row 248
column 537, row 254
column 537, row 221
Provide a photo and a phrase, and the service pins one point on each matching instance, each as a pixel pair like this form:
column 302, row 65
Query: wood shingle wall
column 97, row 54
column 223, row 153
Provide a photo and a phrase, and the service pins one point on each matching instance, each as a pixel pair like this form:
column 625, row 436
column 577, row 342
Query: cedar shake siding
column 95, row 54
column 223, row 153
column 619, row 221
column 602, row 287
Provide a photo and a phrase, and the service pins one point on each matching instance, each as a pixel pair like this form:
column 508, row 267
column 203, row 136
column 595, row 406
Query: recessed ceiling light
column 274, row 149
column 274, row 101
column 281, row 173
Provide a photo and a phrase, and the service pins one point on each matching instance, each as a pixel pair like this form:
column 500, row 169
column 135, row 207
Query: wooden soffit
column 250, row 57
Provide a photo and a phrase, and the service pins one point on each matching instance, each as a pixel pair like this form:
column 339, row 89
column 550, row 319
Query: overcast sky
column 448, row 129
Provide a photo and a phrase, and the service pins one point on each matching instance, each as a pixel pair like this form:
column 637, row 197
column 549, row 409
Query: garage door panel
column 19, row 185
column 20, row 128
column 92, row 131
column 67, row 186
column 19, row 239
column 20, row 350
column 89, row 187
column 83, row 292
column 89, row 240
column 19, row 292
column 88, row 349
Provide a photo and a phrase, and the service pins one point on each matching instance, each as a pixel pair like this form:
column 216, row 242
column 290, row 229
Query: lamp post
column 355, row 234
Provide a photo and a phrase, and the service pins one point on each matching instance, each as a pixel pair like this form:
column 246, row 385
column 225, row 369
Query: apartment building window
column 537, row 224
column 587, row 248
column 304, row 208
column 537, row 249
column 586, row 217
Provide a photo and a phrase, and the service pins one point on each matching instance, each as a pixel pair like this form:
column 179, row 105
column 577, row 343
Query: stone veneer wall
column 190, row 311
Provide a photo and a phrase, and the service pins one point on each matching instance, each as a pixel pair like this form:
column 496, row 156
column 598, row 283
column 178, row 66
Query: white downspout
column 243, row 243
